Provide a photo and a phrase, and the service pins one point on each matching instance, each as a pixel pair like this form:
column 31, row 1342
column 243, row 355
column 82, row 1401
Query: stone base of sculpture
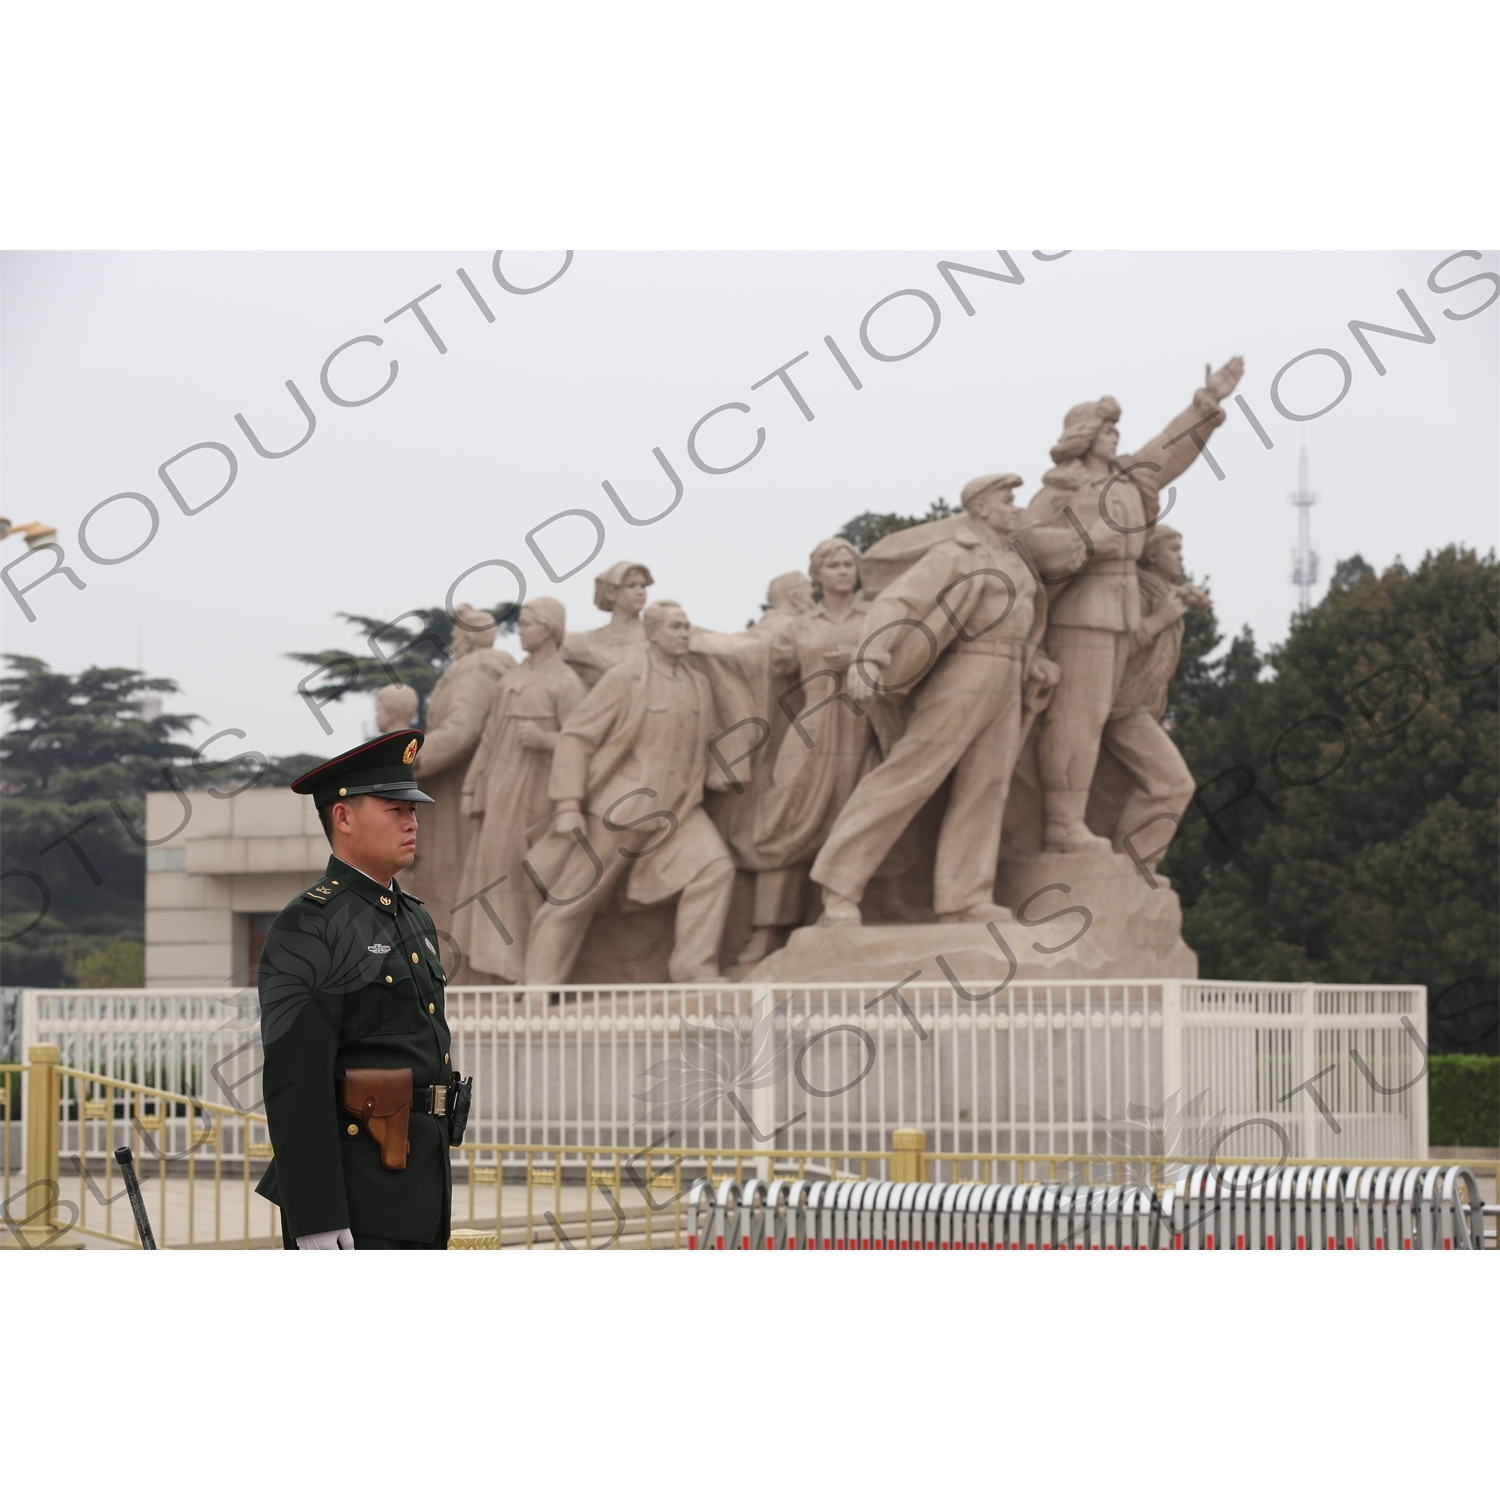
column 1132, row 932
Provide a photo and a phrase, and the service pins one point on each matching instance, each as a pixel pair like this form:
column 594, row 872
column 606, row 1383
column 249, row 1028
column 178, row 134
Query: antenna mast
column 1304, row 559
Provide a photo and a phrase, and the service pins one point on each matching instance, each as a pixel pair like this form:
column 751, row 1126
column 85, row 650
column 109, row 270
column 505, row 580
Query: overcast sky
column 113, row 363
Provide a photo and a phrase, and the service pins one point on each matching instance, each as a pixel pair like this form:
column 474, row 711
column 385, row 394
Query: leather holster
column 380, row 1099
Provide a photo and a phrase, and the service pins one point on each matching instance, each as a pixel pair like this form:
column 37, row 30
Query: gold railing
column 560, row 1196
column 74, row 1122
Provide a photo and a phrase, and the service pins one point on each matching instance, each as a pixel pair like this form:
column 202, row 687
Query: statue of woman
column 620, row 591
column 505, row 794
column 823, row 753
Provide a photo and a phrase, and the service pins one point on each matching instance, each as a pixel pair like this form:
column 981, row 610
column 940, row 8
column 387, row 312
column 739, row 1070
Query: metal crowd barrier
column 1206, row 1208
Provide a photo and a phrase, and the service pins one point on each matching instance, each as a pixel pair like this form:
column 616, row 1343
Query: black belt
column 432, row 1100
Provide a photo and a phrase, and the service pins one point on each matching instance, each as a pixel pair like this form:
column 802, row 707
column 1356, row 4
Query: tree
column 396, row 652
column 74, row 770
column 1345, row 824
column 80, row 737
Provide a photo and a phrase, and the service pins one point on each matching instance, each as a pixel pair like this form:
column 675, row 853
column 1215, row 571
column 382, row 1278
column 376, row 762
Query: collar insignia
column 385, row 900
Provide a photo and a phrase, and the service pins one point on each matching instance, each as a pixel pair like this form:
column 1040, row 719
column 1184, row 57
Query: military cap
column 988, row 482
column 378, row 768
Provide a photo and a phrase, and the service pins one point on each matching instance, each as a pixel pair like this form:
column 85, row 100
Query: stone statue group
column 894, row 726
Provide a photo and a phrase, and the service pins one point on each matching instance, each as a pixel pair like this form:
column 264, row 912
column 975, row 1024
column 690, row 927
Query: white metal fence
column 1181, row 1068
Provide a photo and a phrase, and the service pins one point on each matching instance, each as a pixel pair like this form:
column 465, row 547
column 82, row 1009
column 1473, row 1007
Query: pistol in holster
column 380, row 1099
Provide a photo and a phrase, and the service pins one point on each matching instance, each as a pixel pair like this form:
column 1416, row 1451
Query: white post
column 1311, row 1117
column 1419, row 1092
column 1171, row 1042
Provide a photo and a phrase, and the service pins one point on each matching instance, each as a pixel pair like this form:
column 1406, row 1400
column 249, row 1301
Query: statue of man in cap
column 964, row 621
column 1094, row 614
column 356, row 1081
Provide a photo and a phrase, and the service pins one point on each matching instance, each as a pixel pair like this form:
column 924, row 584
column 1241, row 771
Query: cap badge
column 380, row 947
column 409, row 754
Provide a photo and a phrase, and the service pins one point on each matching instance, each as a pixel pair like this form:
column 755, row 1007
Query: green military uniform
column 351, row 978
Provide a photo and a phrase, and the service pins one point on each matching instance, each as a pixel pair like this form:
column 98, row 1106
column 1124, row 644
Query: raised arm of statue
column 1184, row 437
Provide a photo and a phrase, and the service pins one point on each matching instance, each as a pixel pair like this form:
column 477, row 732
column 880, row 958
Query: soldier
column 357, row 1087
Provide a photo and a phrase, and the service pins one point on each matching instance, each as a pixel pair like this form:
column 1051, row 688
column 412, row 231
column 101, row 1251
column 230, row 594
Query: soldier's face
column 670, row 634
column 1106, row 440
column 375, row 834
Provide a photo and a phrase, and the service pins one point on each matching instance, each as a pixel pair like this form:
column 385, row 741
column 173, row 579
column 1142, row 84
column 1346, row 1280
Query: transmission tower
column 1304, row 559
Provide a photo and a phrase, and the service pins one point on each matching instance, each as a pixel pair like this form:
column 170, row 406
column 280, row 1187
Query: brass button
column 335, row 882
column 343, row 791
column 445, row 1057
column 414, row 958
column 388, row 979
column 432, row 1010
column 354, row 1130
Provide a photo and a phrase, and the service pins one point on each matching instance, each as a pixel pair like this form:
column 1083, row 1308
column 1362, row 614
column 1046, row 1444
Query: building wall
column 223, row 863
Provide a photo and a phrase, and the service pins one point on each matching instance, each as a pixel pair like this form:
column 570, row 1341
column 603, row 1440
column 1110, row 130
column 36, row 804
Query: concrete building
column 225, row 867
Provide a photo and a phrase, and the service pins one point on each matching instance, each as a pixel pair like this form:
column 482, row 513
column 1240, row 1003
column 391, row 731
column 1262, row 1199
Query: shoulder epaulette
column 320, row 894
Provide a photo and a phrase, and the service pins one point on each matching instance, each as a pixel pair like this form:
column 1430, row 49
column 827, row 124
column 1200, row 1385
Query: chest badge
column 380, row 947
column 430, row 948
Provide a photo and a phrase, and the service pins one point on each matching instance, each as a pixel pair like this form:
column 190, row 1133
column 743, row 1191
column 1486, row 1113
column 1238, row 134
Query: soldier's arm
column 301, row 1014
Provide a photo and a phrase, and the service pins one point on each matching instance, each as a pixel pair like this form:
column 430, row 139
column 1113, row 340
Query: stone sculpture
column 1093, row 617
column 817, row 764
column 620, row 591
column 396, row 706
column 455, row 716
column 1161, row 786
column 965, row 723
column 627, row 784
column 972, row 593
column 505, row 798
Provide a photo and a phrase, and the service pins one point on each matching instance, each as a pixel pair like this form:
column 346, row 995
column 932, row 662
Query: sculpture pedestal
column 1119, row 928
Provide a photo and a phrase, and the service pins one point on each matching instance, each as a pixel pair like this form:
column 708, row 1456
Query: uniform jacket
column 351, row 977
